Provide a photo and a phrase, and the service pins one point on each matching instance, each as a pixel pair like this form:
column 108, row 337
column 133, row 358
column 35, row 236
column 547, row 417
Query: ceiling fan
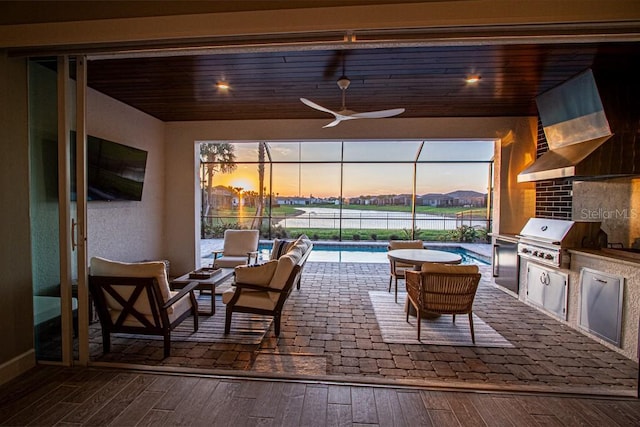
column 344, row 113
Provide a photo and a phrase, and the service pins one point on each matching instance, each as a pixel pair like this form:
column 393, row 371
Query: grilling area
column 573, row 256
column 566, row 273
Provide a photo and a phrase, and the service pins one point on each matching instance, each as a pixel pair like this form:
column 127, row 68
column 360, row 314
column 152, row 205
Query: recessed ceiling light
column 472, row 79
column 222, row 85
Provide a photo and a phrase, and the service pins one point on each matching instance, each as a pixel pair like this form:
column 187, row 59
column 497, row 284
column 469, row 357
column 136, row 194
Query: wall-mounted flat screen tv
column 114, row 171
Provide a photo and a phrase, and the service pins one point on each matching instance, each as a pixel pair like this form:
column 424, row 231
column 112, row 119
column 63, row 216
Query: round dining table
column 417, row 257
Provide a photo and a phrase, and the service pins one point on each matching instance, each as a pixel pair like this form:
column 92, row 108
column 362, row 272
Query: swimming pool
column 324, row 252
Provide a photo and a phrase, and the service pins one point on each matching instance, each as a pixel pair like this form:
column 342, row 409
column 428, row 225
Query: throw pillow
column 296, row 252
column 286, row 263
column 280, row 247
column 258, row 274
column 300, row 242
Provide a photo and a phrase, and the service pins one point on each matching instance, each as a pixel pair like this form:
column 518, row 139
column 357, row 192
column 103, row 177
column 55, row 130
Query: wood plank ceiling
column 427, row 81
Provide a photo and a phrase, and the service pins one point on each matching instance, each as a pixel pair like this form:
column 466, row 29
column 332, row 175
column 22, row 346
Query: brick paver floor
column 332, row 317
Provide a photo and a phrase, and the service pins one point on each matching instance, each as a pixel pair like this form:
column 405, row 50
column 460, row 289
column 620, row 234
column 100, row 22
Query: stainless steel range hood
column 578, row 134
column 568, row 161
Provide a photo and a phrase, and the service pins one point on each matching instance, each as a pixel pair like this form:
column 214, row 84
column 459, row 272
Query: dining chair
column 397, row 269
column 443, row 289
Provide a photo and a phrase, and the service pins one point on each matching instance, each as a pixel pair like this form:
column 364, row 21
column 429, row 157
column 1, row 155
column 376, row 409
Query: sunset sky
column 381, row 177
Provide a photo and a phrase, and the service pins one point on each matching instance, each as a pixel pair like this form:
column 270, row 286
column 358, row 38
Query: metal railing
column 369, row 220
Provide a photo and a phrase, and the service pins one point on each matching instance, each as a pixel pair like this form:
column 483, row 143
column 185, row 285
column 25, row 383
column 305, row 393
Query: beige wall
column 16, row 310
column 182, row 207
column 514, row 201
column 123, row 230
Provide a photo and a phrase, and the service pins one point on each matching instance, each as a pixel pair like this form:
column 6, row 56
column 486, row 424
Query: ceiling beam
column 462, row 21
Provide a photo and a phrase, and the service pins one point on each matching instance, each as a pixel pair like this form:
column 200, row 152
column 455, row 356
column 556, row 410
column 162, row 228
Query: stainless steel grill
column 546, row 240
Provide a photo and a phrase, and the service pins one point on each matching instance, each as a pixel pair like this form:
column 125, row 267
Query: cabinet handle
column 604, row 282
column 544, row 278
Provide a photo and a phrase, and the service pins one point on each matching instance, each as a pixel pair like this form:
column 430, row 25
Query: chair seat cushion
column 250, row 298
column 405, row 266
column 230, row 261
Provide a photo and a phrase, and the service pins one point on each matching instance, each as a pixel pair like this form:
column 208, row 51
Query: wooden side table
column 205, row 285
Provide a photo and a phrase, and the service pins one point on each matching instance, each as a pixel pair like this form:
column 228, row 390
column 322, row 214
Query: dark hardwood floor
column 52, row 395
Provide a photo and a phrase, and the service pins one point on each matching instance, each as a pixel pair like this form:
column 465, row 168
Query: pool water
column 370, row 253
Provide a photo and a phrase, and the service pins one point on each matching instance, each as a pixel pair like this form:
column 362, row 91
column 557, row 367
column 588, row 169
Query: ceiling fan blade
column 333, row 123
column 368, row 115
column 378, row 114
column 317, row 107
column 340, row 116
column 335, row 64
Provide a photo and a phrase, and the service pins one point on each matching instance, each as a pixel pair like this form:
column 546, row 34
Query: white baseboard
column 17, row 366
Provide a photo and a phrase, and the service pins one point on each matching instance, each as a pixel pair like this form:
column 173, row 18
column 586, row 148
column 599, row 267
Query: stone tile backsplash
column 615, row 203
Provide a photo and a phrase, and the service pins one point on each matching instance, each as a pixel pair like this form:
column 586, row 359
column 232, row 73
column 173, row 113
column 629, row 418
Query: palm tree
column 257, row 220
column 214, row 157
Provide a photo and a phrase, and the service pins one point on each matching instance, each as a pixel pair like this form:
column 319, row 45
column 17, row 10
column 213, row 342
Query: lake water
column 365, row 219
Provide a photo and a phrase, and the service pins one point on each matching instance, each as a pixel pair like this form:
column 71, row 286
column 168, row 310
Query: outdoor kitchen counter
column 509, row 237
column 608, row 256
column 614, row 265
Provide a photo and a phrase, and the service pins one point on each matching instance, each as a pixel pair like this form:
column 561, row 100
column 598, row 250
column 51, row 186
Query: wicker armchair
column 397, row 269
column 443, row 289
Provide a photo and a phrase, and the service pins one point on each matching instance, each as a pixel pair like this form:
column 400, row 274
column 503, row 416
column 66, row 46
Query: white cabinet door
column 547, row 289
column 601, row 297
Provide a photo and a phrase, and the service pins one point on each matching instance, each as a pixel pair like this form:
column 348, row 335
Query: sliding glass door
column 57, row 207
